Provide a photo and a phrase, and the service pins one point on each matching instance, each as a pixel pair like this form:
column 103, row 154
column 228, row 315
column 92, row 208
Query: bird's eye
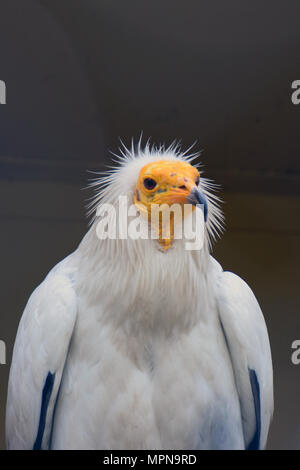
column 149, row 183
column 197, row 181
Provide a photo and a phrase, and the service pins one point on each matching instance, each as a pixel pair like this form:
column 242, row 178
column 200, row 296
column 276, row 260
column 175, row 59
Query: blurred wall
column 81, row 73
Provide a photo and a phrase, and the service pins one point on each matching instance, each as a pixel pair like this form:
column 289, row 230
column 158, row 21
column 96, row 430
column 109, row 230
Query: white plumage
column 124, row 346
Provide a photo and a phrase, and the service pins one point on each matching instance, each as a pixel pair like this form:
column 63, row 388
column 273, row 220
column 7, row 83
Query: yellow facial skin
column 174, row 182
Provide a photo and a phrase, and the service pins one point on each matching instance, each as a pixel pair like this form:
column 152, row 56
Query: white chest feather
column 149, row 371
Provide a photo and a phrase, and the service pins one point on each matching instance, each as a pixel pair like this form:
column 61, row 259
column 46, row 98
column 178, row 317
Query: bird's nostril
column 182, row 187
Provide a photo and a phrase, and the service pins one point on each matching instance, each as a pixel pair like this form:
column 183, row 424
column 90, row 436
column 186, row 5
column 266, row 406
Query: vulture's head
column 146, row 185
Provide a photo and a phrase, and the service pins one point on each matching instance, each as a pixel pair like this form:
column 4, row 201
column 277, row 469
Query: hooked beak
column 197, row 197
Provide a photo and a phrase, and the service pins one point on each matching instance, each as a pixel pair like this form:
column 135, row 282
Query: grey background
column 81, row 73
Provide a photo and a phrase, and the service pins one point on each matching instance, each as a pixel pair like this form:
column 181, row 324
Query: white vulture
column 140, row 343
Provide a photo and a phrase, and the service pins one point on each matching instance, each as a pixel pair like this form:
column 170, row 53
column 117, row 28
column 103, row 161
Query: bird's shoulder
column 50, row 313
column 235, row 299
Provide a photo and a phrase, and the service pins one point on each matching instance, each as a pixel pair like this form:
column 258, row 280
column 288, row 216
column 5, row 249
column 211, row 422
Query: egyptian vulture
column 140, row 343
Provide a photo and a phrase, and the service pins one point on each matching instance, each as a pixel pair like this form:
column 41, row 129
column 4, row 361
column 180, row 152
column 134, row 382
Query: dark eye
column 149, row 183
column 197, row 181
